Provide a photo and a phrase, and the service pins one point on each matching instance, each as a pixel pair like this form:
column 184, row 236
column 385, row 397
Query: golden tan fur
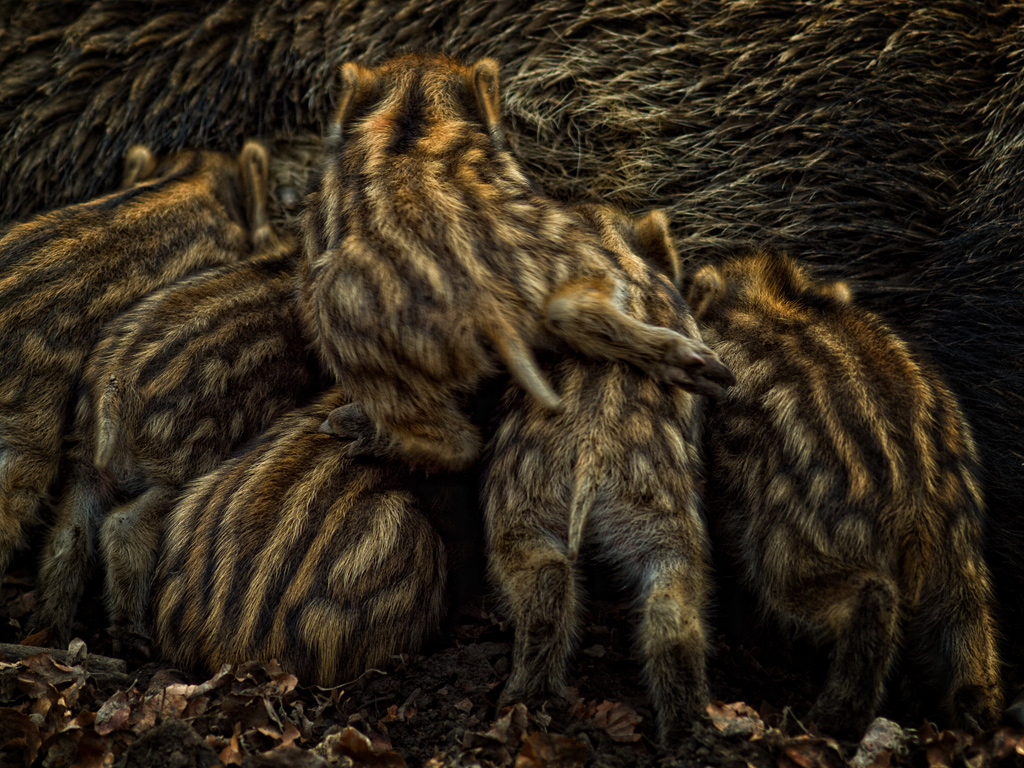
column 430, row 258
column 292, row 550
column 173, row 387
column 844, row 484
column 63, row 274
column 614, row 476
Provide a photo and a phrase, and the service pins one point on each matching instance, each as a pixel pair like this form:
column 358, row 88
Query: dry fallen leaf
column 113, row 715
column 191, row 691
column 232, row 753
column 80, row 721
column 284, row 681
column 1006, row 742
column 42, row 706
column 167, row 705
column 290, row 736
column 509, row 728
column 19, row 737
column 736, row 719
column 36, row 638
column 360, row 749
column 944, row 748
column 92, row 752
column 548, row 750
column 809, row 752
column 618, row 720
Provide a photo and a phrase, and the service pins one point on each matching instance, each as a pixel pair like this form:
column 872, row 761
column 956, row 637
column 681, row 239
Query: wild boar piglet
column 430, row 258
column 843, row 483
column 65, row 273
column 173, row 387
column 615, row 475
column 292, row 550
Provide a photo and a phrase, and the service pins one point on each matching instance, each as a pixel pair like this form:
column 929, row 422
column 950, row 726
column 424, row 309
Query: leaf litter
column 435, row 709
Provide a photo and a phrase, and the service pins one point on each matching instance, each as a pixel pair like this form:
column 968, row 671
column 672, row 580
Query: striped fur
column 431, row 257
column 173, row 387
column 618, row 473
column 65, row 273
column 843, row 484
column 294, row 551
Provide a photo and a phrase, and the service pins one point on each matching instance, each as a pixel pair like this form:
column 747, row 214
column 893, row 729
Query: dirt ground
column 438, row 708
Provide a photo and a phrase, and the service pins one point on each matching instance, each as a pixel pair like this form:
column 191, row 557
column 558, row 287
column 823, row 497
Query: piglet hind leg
column 673, row 646
column 129, row 541
column 666, row 559
column 24, row 481
column 67, row 555
column 539, row 585
column 585, row 316
column 951, row 640
column 859, row 613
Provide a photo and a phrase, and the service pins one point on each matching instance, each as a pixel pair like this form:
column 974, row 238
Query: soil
column 438, row 707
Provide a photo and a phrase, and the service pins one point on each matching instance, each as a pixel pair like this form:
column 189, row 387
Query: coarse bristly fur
column 292, row 550
column 64, row 274
column 843, row 483
column 430, row 257
column 617, row 473
column 876, row 138
column 174, row 385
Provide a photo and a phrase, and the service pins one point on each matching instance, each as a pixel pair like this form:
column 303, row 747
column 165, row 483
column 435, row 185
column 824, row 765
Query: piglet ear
column 656, row 246
column 485, row 88
column 357, row 84
column 254, row 161
column 706, row 288
column 139, row 165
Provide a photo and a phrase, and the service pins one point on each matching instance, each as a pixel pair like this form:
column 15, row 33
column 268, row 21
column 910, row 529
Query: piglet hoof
column 977, row 707
column 695, row 367
column 350, row 423
column 838, row 721
column 1013, row 717
column 533, row 700
column 289, row 198
column 672, row 735
column 44, row 636
column 509, row 699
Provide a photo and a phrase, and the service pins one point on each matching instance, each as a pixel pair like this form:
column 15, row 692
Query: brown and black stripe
column 65, row 273
column 843, row 483
column 614, row 476
column 292, row 550
column 174, row 385
column 430, row 257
